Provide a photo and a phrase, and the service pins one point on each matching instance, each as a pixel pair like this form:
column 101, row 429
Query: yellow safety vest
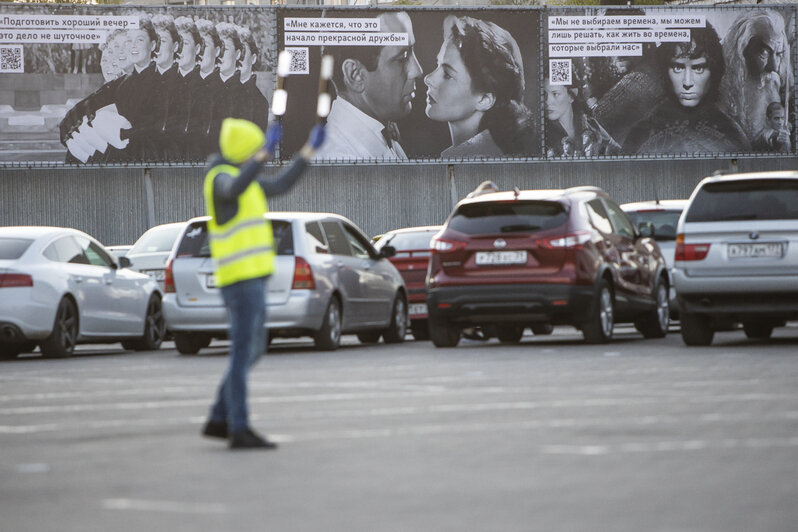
column 243, row 248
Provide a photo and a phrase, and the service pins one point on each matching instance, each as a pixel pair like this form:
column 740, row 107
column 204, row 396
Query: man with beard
column 757, row 55
column 375, row 87
column 689, row 121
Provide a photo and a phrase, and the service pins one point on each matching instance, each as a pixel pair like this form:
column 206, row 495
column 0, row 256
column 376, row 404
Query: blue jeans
column 246, row 314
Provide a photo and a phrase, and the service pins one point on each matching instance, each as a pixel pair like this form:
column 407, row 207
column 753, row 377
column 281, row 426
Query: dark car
column 412, row 246
column 539, row 258
column 664, row 216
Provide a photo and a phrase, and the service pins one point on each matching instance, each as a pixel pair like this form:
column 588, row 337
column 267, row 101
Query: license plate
column 210, row 281
column 756, row 250
column 417, row 308
column 485, row 258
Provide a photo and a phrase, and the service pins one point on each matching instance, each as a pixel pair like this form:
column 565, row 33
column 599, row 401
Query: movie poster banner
column 129, row 85
column 652, row 82
column 419, row 84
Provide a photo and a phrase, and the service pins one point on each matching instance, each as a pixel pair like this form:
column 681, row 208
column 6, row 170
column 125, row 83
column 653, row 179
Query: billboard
column 129, row 85
column 140, row 85
column 417, row 84
column 652, row 82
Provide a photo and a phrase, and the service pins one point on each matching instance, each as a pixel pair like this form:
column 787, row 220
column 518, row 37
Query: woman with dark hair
column 478, row 88
column 571, row 130
column 168, row 83
column 251, row 104
column 689, row 120
column 203, row 127
column 136, row 95
column 189, row 54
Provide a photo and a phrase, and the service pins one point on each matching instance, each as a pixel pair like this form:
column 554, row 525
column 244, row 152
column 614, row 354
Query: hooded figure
column 757, row 56
column 242, row 247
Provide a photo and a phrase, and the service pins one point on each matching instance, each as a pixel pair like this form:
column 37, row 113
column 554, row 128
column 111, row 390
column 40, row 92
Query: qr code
column 11, row 58
column 299, row 60
column 560, row 71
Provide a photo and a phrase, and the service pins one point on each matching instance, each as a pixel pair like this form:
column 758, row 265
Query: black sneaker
column 215, row 429
column 249, row 439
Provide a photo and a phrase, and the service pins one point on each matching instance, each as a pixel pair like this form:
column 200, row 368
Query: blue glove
column 317, row 136
column 273, row 136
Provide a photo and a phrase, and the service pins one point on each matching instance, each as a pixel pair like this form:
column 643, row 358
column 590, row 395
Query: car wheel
column 420, row 330
column 597, row 329
column 154, row 328
column 696, row 329
column 509, row 334
column 760, row 330
column 396, row 331
column 10, row 351
column 655, row 323
column 187, row 343
column 328, row 338
column 442, row 334
column 542, row 329
column 61, row 342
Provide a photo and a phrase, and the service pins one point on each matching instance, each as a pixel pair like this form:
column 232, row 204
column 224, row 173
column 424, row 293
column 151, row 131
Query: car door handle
column 366, row 265
column 108, row 280
column 77, row 279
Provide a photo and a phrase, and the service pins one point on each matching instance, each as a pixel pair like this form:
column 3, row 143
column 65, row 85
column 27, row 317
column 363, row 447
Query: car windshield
column 664, row 222
column 507, row 217
column 407, row 241
column 156, row 240
column 13, row 248
column 759, row 199
column 195, row 242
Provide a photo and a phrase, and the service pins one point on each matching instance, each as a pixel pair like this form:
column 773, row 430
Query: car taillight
column 439, row 244
column 15, row 280
column 569, row 241
column 168, row 279
column 303, row 275
column 690, row 251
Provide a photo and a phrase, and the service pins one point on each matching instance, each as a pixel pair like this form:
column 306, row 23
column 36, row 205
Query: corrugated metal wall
column 116, row 205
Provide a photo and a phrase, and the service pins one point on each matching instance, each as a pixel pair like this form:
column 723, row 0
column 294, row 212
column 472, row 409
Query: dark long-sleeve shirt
column 227, row 188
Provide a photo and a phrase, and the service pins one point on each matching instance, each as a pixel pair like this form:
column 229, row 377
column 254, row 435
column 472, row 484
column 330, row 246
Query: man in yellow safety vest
column 242, row 246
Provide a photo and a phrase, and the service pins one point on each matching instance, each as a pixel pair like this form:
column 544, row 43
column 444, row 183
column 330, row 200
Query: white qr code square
column 299, row 60
column 560, row 71
column 12, row 58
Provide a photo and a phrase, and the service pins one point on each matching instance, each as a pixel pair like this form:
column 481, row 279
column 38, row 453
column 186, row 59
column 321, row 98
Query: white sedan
column 60, row 287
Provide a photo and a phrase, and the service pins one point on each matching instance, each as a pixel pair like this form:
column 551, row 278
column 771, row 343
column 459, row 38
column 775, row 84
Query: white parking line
column 672, row 446
column 206, row 508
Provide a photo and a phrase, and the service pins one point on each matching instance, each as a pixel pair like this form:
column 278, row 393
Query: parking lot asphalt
column 549, row 435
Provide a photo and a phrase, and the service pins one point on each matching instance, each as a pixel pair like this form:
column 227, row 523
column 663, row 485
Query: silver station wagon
column 329, row 280
column 736, row 258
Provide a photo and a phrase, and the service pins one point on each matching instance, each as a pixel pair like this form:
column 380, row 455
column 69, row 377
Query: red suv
column 539, row 258
column 412, row 246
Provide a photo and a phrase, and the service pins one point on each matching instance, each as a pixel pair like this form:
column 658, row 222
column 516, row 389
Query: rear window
column 510, row 217
column 195, row 241
column 664, row 222
column 156, row 240
column 13, row 248
column 407, row 241
column 761, row 199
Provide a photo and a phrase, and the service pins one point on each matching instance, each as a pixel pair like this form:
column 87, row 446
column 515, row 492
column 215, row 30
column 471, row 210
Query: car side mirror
column 125, row 262
column 387, row 252
column 646, row 229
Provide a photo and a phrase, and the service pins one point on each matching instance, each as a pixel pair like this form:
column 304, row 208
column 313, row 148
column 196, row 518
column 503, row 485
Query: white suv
column 736, row 256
